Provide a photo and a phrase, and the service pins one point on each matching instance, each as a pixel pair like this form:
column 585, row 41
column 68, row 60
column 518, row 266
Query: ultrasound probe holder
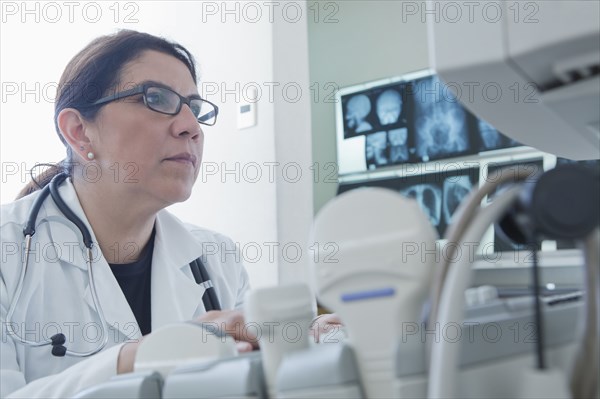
column 234, row 377
column 146, row 384
column 174, row 345
column 282, row 316
column 323, row 371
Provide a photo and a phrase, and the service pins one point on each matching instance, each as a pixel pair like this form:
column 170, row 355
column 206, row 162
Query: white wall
column 293, row 146
column 234, row 50
column 353, row 42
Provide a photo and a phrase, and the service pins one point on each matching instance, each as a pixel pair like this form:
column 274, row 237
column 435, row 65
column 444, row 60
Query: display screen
column 413, row 120
column 438, row 194
column 411, row 135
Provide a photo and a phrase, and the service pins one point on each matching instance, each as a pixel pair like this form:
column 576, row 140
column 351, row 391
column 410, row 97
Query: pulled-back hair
column 92, row 74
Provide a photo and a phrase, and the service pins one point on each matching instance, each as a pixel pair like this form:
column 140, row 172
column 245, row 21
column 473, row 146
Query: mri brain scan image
column 357, row 110
column 398, row 145
column 389, row 107
column 376, row 150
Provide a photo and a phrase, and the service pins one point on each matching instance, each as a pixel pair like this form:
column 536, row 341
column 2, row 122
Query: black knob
column 58, row 339
column 59, row 350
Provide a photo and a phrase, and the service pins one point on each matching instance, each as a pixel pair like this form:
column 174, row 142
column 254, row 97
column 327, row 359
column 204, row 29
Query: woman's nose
column 186, row 123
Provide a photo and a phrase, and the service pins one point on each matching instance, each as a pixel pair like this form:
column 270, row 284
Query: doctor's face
column 145, row 152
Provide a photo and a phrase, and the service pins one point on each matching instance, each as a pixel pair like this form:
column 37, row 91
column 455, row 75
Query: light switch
column 246, row 110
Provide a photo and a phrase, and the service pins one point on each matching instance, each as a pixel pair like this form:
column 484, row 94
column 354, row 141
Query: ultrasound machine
column 429, row 310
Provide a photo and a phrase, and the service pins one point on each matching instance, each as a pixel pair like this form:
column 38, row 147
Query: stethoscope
column 58, row 340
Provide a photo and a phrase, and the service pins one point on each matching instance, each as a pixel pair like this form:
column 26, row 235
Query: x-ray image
column 429, row 198
column 440, row 122
column 398, row 145
column 456, row 188
column 438, row 194
column 357, row 110
column 376, row 150
column 492, row 139
column 389, row 107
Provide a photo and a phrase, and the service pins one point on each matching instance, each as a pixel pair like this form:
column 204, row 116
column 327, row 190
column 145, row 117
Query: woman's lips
column 185, row 158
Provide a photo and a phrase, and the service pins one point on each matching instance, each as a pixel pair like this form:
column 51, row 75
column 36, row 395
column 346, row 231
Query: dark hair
column 93, row 73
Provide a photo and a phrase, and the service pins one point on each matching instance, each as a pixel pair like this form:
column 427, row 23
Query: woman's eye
column 196, row 108
column 155, row 98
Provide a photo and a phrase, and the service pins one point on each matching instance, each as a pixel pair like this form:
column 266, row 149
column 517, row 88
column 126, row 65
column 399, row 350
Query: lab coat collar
column 175, row 295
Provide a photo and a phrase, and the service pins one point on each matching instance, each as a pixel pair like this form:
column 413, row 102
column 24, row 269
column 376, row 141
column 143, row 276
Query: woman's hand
column 127, row 357
column 325, row 324
column 230, row 322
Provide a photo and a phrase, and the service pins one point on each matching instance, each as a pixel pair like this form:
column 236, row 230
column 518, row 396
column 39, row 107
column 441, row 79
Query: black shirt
column 134, row 280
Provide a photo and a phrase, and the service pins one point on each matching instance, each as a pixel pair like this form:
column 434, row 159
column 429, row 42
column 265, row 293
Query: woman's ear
column 74, row 129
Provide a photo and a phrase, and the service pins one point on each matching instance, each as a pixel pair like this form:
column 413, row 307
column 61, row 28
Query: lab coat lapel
column 116, row 309
column 71, row 250
column 175, row 295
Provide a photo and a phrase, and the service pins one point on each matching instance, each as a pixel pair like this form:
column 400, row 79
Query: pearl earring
column 90, row 155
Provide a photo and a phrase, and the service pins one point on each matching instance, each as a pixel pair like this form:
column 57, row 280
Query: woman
column 128, row 112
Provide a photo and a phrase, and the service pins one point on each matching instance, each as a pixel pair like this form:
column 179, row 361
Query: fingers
column 244, row 347
column 324, row 324
column 231, row 322
column 331, row 318
column 126, row 357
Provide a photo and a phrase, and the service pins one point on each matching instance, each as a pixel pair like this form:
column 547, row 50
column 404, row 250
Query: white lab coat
column 56, row 294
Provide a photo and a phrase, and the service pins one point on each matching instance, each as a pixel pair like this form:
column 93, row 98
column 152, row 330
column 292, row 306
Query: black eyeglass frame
column 142, row 89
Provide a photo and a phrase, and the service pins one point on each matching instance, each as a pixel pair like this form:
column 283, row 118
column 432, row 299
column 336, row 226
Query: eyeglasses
column 166, row 101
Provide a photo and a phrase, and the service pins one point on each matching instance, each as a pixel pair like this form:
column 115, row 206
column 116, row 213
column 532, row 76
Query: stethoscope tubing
column 29, row 231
